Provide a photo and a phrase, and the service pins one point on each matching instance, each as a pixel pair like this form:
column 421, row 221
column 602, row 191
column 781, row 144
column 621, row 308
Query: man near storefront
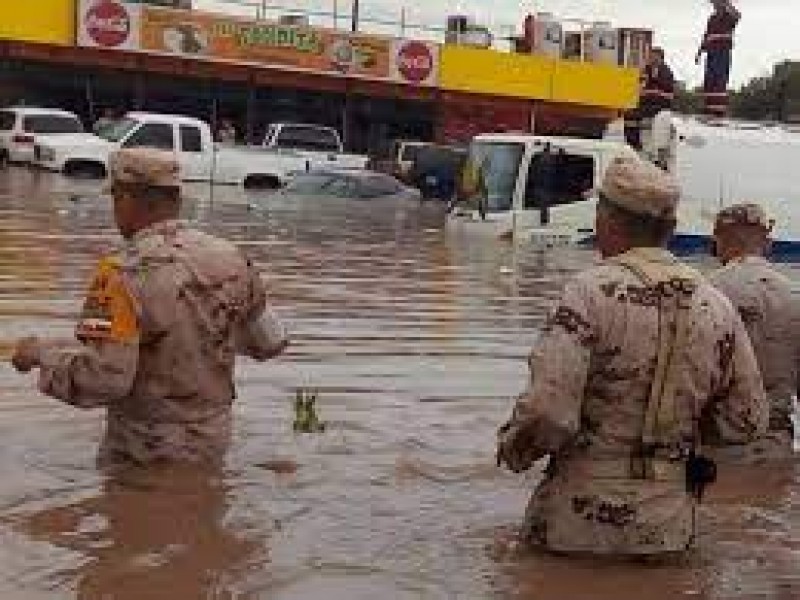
column 641, row 361
column 717, row 45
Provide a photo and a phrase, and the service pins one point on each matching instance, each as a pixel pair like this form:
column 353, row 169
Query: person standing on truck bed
column 658, row 93
column 769, row 305
column 717, row 45
column 161, row 327
column 640, row 360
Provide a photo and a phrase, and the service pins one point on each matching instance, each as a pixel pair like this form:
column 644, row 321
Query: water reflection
column 157, row 534
column 416, row 342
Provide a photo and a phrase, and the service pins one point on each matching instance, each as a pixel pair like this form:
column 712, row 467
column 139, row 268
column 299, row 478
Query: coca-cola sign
column 415, row 62
column 108, row 23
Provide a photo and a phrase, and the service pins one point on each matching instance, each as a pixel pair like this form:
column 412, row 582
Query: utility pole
column 354, row 25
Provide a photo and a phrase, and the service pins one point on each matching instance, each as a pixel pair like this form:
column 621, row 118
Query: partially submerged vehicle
column 349, row 184
column 543, row 189
column 286, row 148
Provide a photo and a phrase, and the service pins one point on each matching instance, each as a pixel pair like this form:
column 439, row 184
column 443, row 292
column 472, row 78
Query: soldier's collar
column 654, row 255
column 747, row 259
column 162, row 228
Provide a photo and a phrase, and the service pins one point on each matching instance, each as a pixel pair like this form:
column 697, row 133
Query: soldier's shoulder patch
column 109, row 310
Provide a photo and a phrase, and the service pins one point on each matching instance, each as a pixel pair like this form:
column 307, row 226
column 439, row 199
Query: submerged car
column 350, row 184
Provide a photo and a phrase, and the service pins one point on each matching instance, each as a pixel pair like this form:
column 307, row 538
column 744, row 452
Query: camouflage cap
column 144, row 166
column 641, row 187
column 747, row 214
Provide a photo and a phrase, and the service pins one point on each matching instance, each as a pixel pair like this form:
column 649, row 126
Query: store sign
column 121, row 25
column 415, row 62
column 109, row 24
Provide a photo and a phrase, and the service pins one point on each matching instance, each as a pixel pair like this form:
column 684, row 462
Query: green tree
column 687, row 101
column 774, row 97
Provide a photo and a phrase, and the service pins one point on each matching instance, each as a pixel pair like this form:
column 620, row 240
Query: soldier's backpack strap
column 675, row 285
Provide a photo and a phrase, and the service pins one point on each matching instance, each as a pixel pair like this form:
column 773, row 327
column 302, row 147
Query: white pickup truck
column 199, row 157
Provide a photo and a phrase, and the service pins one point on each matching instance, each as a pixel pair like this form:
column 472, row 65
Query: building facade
column 93, row 55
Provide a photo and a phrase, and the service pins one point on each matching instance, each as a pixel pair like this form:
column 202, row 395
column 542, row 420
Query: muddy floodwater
column 416, row 341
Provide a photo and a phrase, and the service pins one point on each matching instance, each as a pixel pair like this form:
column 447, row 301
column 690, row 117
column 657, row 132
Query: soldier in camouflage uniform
column 769, row 305
column 161, row 326
column 641, row 361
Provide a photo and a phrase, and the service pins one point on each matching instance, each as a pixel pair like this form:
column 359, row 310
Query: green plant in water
column 306, row 419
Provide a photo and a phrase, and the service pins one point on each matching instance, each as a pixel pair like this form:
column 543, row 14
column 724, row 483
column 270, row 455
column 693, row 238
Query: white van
column 19, row 127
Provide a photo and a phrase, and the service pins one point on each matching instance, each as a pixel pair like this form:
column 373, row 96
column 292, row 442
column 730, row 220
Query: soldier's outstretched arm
column 741, row 411
column 261, row 335
column 102, row 368
column 94, row 374
column 547, row 415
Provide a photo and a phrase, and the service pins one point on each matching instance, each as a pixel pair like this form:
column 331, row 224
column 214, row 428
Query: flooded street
column 416, row 341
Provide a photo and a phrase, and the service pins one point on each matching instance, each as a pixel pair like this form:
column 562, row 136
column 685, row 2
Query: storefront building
column 93, row 55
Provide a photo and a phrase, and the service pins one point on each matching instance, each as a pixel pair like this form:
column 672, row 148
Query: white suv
column 19, row 125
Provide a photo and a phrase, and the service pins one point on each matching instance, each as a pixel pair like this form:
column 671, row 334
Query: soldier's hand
column 513, row 452
column 26, row 354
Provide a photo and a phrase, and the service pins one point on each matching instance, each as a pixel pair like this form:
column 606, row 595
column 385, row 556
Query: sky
column 766, row 35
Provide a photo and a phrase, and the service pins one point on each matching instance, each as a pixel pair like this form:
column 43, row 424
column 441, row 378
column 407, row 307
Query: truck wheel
column 262, row 182
column 84, row 169
column 4, row 159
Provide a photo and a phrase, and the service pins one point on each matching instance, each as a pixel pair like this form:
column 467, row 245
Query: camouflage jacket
column 769, row 305
column 161, row 326
column 592, row 371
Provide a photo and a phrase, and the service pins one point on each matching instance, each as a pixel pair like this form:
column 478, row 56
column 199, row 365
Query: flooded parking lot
column 416, row 341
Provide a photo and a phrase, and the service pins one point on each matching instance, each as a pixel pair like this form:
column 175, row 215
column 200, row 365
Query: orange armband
column 109, row 311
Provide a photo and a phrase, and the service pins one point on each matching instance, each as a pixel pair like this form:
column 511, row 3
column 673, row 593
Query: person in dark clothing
column 658, row 93
column 545, row 172
column 659, row 85
column 550, row 169
column 717, row 45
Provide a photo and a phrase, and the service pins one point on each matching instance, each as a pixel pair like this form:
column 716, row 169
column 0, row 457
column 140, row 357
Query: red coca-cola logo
column 415, row 61
column 108, row 23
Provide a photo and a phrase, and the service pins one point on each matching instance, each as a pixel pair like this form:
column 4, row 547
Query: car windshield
column 51, row 124
column 410, row 152
column 498, row 164
column 308, row 138
column 309, row 183
column 378, row 185
column 116, row 131
column 437, row 158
